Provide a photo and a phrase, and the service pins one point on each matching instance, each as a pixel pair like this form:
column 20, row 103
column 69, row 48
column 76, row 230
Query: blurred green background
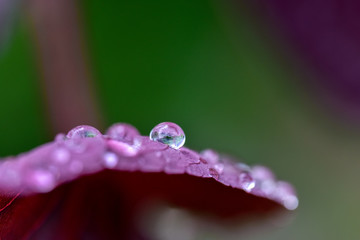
column 215, row 71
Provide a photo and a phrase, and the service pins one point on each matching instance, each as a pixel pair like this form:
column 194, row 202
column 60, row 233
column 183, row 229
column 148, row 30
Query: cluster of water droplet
column 122, row 138
column 122, row 142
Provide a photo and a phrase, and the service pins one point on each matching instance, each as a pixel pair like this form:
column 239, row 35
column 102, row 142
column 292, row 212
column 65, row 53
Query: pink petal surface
column 96, row 178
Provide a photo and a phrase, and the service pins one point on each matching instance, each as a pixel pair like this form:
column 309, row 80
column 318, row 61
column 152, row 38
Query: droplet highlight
column 83, row 131
column 122, row 131
column 168, row 133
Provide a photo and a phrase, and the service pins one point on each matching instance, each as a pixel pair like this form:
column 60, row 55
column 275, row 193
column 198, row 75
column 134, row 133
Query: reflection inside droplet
column 168, row 133
column 83, row 131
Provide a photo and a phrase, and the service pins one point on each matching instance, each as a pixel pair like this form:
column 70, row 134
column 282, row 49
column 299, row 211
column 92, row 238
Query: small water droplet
column 268, row 186
column 60, row 137
column 122, row 131
column 61, row 155
column 83, row 131
column 246, row 181
column 43, row 181
column 291, row 202
column 215, row 174
column 210, row 156
column 262, row 173
column 219, row 167
column 168, row 133
column 243, row 167
column 110, row 159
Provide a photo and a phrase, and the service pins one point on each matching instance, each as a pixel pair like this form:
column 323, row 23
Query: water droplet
column 61, row 155
column 60, row 137
column 168, row 133
column 110, row 160
column 268, row 186
column 291, row 202
column 246, row 181
column 83, row 131
column 43, row 181
column 262, row 173
column 122, row 131
column 122, row 148
column 219, row 167
column 210, row 156
column 215, row 174
column 243, row 167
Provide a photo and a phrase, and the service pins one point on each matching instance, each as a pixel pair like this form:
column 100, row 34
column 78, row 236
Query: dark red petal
column 21, row 216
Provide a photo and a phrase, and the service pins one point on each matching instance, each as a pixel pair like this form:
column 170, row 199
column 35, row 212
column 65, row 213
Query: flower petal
column 138, row 173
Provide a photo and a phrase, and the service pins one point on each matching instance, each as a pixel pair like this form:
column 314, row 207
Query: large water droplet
column 168, row 133
column 83, row 131
column 122, row 131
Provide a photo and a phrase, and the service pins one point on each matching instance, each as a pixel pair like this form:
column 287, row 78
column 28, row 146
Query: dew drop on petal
column 219, row 167
column 110, row 159
column 122, row 131
column 83, row 131
column 213, row 173
column 286, row 193
column 262, row 173
column 246, row 181
column 60, row 137
column 61, row 155
column 291, row 202
column 210, row 156
column 43, row 181
column 268, row 186
column 168, row 133
column 243, row 167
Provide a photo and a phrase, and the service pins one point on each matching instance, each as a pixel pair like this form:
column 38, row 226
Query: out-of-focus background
column 270, row 82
